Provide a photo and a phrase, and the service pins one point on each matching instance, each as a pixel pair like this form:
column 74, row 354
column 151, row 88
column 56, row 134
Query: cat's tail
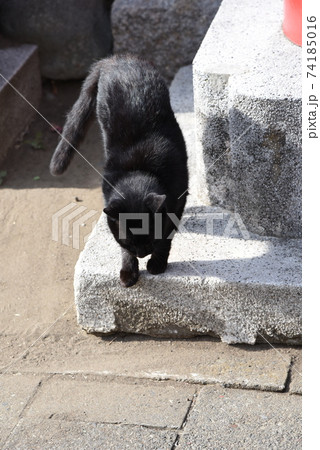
column 77, row 122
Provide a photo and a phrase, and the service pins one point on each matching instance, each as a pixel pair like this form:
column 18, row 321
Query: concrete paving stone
column 103, row 400
column 295, row 386
column 201, row 360
column 217, row 282
column 15, row 393
column 63, row 435
column 238, row 419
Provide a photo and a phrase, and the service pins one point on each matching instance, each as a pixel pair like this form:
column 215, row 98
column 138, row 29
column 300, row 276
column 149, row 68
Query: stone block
column 19, row 65
column 217, row 283
column 166, row 32
column 70, row 35
column 247, row 86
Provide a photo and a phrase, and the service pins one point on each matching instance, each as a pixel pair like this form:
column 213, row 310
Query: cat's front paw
column 156, row 266
column 128, row 279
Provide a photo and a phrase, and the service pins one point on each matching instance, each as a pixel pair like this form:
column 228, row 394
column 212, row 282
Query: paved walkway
column 81, row 391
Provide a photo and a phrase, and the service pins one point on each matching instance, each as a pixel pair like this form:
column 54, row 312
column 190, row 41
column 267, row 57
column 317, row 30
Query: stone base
column 217, row 283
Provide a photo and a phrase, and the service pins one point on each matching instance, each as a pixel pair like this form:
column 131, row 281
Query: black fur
column 146, row 160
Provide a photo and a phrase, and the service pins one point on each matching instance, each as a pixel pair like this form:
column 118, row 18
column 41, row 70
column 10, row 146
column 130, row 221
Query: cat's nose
column 141, row 253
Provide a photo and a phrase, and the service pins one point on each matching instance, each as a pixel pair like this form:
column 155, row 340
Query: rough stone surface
column 15, row 393
column 167, row 32
column 234, row 419
column 248, row 116
column 19, row 65
column 101, row 400
column 217, row 283
column 200, row 360
column 61, row 435
column 70, row 35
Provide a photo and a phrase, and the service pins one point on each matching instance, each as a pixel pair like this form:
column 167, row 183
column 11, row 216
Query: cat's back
column 131, row 96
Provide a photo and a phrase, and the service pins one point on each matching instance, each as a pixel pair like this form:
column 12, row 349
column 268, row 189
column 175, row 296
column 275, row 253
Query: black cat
column 146, row 162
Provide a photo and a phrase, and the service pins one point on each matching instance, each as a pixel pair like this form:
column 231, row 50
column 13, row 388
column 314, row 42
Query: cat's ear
column 155, row 202
column 112, row 210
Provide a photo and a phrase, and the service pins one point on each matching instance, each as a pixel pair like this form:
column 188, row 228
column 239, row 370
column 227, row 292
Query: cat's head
column 135, row 224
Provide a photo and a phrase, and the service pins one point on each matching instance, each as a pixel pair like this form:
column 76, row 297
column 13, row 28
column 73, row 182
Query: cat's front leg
column 129, row 272
column 159, row 258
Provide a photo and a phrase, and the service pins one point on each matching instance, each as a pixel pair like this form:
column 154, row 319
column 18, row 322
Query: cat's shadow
column 210, row 252
column 246, row 270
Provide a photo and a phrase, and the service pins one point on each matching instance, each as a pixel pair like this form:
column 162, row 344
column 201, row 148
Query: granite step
column 218, row 282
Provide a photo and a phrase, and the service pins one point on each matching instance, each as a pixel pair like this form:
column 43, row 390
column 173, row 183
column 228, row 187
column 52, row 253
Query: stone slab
column 200, row 360
column 167, row 32
column 19, row 64
column 234, row 419
column 217, row 282
column 15, row 393
column 62, row 435
column 102, row 400
column 244, row 86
